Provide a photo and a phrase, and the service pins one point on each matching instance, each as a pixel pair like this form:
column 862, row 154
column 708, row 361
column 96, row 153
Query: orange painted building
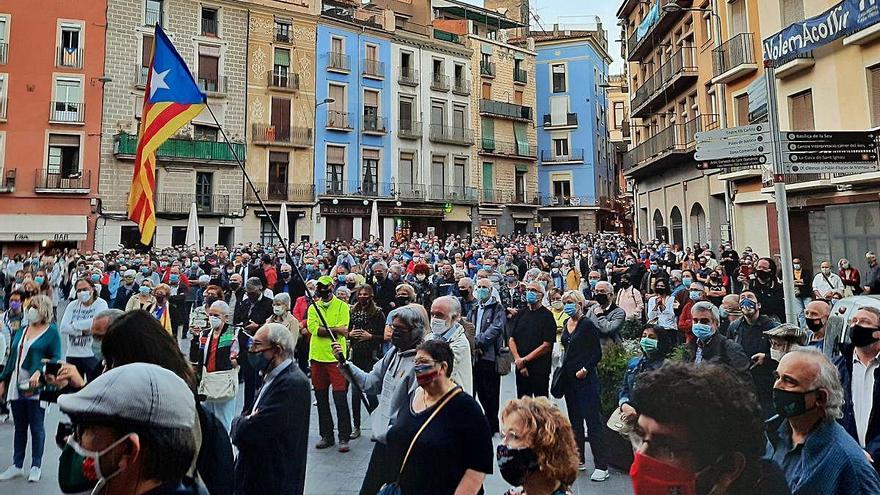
column 51, row 86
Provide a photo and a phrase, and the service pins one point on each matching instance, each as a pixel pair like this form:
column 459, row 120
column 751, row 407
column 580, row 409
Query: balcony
column 407, row 190
column 71, row 58
column 667, row 146
column 373, row 69
column 7, row 180
column 181, row 203
column 141, row 74
column 182, row 150
column 270, row 135
column 461, row 86
column 574, row 156
column 62, row 183
column 679, row 72
column 525, row 198
column 408, row 77
column 214, row 86
column 520, row 76
column 440, row 82
column 281, row 192
column 551, row 200
column 499, row 196
column 409, row 129
column 338, row 62
column 487, row 69
column 445, row 36
column 4, row 52
column 65, row 112
column 374, row 124
column 639, row 47
column 359, row 188
column 504, row 110
column 283, row 80
column 451, row 135
column 452, row 194
column 338, row 121
column 571, row 120
column 209, row 27
column 734, row 59
column 494, row 147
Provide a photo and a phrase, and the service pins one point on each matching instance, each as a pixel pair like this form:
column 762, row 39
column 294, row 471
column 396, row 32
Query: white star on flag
column 158, row 82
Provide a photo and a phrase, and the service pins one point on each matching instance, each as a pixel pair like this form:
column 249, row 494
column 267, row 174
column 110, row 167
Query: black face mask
column 324, row 293
column 862, row 336
column 402, row 301
column 815, row 324
column 285, row 275
column 602, row 299
column 516, row 464
column 234, row 285
column 763, row 275
column 402, row 341
column 791, row 404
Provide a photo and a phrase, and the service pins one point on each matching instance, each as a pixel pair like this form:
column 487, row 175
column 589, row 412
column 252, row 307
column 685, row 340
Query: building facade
column 617, row 95
column 51, row 79
column 505, row 155
column 196, row 165
column 576, row 180
column 281, row 116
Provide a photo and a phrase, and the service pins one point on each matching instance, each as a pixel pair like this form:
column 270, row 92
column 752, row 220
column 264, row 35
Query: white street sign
column 830, row 168
column 732, row 152
column 749, row 139
column 731, row 132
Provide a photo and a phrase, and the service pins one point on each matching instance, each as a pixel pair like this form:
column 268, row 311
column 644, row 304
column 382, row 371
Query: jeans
column 356, row 402
column 582, row 401
column 86, row 366
column 800, row 303
column 223, row 410
column 27, row 413
column 487, row 387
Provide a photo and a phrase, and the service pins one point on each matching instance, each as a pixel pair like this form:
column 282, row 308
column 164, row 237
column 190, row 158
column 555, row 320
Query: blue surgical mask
column 593, row 283
column 531, row 297
column 687, row 281
column 722, row 312
column 39, row 280
column 696, row 296
column 702, row 331
column 570, row 309
column 482, row 293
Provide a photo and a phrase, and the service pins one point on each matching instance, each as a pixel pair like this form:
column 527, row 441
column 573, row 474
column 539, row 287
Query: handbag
column 559, row 382
column 219, row 385
column 503, row 360
column 394, row 488
column 617, row 424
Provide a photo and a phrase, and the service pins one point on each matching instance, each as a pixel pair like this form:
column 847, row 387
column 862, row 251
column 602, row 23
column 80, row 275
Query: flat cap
column 789, row 332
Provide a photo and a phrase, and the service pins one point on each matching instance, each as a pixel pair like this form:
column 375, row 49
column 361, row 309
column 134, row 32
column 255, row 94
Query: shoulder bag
column 394, row 488
column 503, row 356
column 217, row 385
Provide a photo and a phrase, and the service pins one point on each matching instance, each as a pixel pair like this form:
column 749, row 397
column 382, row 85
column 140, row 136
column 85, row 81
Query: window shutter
column 370, row 154
column 282, row 57
column 63, row 140
column 738, row 17
column 335, row 154
column 802, row 111
column 371, row 98
column 147, row 51
column 792, row 11
column 208, row 67
column 742, row 110
column 875, row 95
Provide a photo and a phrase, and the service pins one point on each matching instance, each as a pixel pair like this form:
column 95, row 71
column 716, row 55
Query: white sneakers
column 600, row 475
column 11, row 473
column 35, row 475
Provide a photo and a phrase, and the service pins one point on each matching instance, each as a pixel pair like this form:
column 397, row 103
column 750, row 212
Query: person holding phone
column 76, row 325
column 38, row 341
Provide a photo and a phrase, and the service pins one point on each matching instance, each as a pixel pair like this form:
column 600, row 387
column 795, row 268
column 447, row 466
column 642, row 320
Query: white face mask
column 84, row 295
column 776, row 354
column 215, row 321
column 278, row 309
column 96, row 458
column 557, row 305
column 439, row 326
column 33, row 315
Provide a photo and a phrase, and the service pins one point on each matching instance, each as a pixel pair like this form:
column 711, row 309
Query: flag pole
column 345, row 370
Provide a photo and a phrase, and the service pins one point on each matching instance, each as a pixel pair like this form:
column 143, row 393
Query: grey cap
column 138, row 393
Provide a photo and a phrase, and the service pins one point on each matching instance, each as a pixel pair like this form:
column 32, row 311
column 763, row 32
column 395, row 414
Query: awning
column 523, row 216
column 36, row 228
column 459, row 213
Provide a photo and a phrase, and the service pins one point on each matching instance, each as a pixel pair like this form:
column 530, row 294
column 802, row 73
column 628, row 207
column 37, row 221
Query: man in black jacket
column 251, row 314
column 289, row 284
column 383, row 287
column 709, row 346
column 489, row 319
column 531, row 340
column 272, row 436
column 748, row 332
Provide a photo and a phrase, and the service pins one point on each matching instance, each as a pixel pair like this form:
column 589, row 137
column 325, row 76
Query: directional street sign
column 808, row 152
column 715, row 152
column 731, row 132
column 743, row 161
column 833, row 157
column 867, row 137
column 830, row 168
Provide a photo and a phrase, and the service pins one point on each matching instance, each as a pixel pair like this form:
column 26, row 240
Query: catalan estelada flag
column 171, row 99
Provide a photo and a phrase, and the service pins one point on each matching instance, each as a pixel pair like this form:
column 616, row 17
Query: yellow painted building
column 281, row 114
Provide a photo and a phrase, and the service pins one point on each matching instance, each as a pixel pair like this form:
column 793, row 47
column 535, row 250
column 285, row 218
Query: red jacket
column 271, row 276
column 686, row 321
column 166, row 278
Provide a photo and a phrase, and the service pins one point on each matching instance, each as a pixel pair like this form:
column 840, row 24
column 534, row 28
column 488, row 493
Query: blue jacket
column 492, row 328
column 48, row 346
column 829, row 462
column 634, row 368
column 844, row 364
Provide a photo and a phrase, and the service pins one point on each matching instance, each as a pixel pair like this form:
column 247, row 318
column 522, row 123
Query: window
column 486, row 92
column 562, row 189
column 209, row 68
column 153, row 12
column 738, row 20
column 459, row 172
column 406, row 64
column 438, row 114
column 619, row 114
column 405, row 109
column 400, row 22
column 519, row 185
column 518, row 97
column 560, row 146
column 370, row 177
column 741, row 104
column 146, row 56
column 437, row 67
column 63, row 159
column 205, row 133
column 407, row 172
column 281, row 118
column 337, row 116
column 558, row 71
column 458, row 72
column 791, row 11
column 372, row 52
column 278, row 165
column 2, row 111
column 874, row 89
column 68, row 105
column 371, row 110
column 488, row 133
column 488, row 182
column 335, row 169
column 204, row 188
column 459, row 114
column 209, row 21
column 337, row 45
column 438, row 174
column 282, row 31
column 522, row 140
column 801, row 108
column 707, row 24
column 281, row 67
column 69, row 53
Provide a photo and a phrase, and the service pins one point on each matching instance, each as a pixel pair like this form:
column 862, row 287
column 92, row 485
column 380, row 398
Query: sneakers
column 11, row 473
column 35, row 475
column 355, row 433
column 600, row 475
column 582, row 466
column 325, row 443
column 343, row 446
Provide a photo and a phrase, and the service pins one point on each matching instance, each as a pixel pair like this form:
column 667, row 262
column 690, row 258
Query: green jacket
column 48, row 346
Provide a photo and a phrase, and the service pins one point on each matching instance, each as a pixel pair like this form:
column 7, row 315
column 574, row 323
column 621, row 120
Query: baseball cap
column 325, row 280
column 139, row 393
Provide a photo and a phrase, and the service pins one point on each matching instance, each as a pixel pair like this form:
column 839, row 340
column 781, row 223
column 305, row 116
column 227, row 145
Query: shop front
column 25, row 232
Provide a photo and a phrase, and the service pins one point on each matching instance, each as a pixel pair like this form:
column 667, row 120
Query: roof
column 474, row 13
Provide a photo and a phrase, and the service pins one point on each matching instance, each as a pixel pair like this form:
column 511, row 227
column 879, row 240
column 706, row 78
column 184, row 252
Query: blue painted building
column 352, row 125
column 575, row 172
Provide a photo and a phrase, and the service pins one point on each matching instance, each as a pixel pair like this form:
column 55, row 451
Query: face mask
column 791, row 404
column 174, row 278
column 341, row 278
column 215, row 321
column 763, row 275
column 797, row 266
column 625, row 284
column 439, row 326
column 516, row 464
column 845, row 266
column 79, row 470
column 593, row 283
column 826, row 271
column 278, row 310
column 648, row 345
column 696, row 296
column 722, row 312
column 702, row 331
column 862, row 336
column 95, row 277
column 482, row 293
column 557, row 305
column 210, row 299
column 234, row 285
column 324, row 293
column 815, row 324
column 15, row 305
column 652, row 477
column 39, row 280
column 531, row 297
column 32, row 315
column 258, row 361
column 748, row 306
column 570, row 309
column 425, row 374
column 402, row 341
column 660, row 290
column 402, row 301
column 776, row 354
column 84, row 295
column 285, row 275
column 602, row 299
column 510, row 279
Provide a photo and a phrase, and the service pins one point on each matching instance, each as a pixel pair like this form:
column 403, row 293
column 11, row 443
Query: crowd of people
column 194, row 370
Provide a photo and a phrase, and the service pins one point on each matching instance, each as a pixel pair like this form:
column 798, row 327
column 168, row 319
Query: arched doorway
column 660, row 231
column 677, row 226
column 699, row 234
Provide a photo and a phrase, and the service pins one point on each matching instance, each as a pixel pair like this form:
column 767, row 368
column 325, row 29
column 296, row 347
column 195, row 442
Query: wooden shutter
column 801, row 108
column 371, row 98
column 738, row 22
column 208, row 67
column 338, row 95
column 742, row 109
column 875, row 95
column 147, row 51
column 280, row 114
column 336, row 155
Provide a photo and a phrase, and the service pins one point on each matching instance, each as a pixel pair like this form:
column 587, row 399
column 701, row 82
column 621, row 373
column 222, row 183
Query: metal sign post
column 781, row 197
